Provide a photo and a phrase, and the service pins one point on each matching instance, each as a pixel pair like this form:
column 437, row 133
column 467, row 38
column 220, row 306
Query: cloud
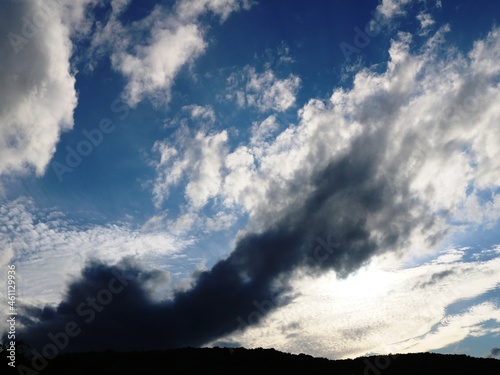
column 380, row 167
column 263, row 91
column 426, row 21
column 161, row 44
column 38, row 94
column 450, row 256
column 152, row 68
column 347, row 210
column 384, row 308
column 383, row 166
column 436, row 277
column 190, row 9
column 205, row 113
column 198, row 158
column 434, row 118
column 194, row 114
column 264, row 130
column 49, row 249
column 391, row 8
column 457, row 327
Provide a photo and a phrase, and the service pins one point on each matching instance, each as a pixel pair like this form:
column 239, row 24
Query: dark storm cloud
column 351, row 207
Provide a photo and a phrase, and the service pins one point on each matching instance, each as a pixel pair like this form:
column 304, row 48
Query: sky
column 317, row 177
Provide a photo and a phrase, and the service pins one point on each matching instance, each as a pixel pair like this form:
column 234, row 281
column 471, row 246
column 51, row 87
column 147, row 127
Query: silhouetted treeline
column 247, row 361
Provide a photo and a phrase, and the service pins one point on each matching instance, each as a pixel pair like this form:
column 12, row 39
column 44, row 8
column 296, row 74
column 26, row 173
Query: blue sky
column 168, row 133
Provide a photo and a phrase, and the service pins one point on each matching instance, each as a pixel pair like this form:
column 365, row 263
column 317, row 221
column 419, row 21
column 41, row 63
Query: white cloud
column 264, row 90
column 198, row 158
column 396, row 8
column 203, row 116
column 203, row 113
column 38, row 94
column 450, row 256
column 426, row 21
column 151, row 68
column 174, row 39
column 190, row 9
column 391, row 8
column 264, row 130
column 455, row 328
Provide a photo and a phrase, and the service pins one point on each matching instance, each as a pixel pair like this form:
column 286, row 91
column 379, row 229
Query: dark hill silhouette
column 250, row 361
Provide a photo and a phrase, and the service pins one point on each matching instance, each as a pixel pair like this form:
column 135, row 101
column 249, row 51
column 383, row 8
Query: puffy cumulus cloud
column 48, row 249
column 38, row 94
column 436, row 115
column 381, row 308
column 264, row 91
column 160, row 44
column 151, row 69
